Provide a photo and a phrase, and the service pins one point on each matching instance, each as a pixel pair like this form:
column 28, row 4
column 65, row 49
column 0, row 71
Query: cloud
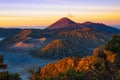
column 70, row 15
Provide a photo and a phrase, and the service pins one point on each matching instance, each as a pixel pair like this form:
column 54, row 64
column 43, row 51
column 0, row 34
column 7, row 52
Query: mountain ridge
column 101, row 27
column 72, row 42
column 68, row 24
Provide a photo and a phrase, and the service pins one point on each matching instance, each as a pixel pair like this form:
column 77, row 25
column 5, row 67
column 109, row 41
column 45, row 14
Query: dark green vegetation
column 5, row 74
column 102, row 65
column 114, row 46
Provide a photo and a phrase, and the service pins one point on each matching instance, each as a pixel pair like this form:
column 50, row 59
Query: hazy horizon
column 43, row 27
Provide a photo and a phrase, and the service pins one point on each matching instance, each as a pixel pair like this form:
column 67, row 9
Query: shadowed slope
column 59, row 49
column 101, row 27
column 85, row 37
column 17, row 37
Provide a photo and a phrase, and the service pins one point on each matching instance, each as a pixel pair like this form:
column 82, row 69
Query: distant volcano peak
column 65, row 19
column 63, row 23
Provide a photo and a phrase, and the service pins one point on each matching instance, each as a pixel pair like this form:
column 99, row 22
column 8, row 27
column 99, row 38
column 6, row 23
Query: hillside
column 22, row 35
column 101, row 27
column 101, row 65
column 58, row 49
column 23, row 42
column 72, row 43
column 85, row 36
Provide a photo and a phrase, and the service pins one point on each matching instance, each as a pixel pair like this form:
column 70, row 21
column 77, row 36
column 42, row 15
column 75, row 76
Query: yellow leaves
column 58, row 67
column 89, row 61
column 83, row 66
column 85, row 63
column 70, row 62
column 110, row 56
column 98, row 50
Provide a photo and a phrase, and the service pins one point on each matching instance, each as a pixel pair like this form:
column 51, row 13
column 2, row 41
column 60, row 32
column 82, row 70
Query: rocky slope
column 20, row 36
column 86, row 36
column 23, row 42
column 59, row 49
column 101, row 27
column 72, row 43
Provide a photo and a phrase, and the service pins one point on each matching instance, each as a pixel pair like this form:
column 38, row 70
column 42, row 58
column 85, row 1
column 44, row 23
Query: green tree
column 114, row 46
column 4, row 74
column 35, row 73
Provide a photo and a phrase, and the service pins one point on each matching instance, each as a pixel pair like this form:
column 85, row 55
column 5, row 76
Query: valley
column 20, row 63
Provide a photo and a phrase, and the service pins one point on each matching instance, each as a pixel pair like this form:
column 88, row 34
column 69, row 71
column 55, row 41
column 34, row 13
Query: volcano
column 58, row 49
column 67, row 24
column 64, row 23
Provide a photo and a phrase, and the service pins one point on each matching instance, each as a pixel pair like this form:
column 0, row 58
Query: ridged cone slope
column 86, row 37
column 59, row 49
